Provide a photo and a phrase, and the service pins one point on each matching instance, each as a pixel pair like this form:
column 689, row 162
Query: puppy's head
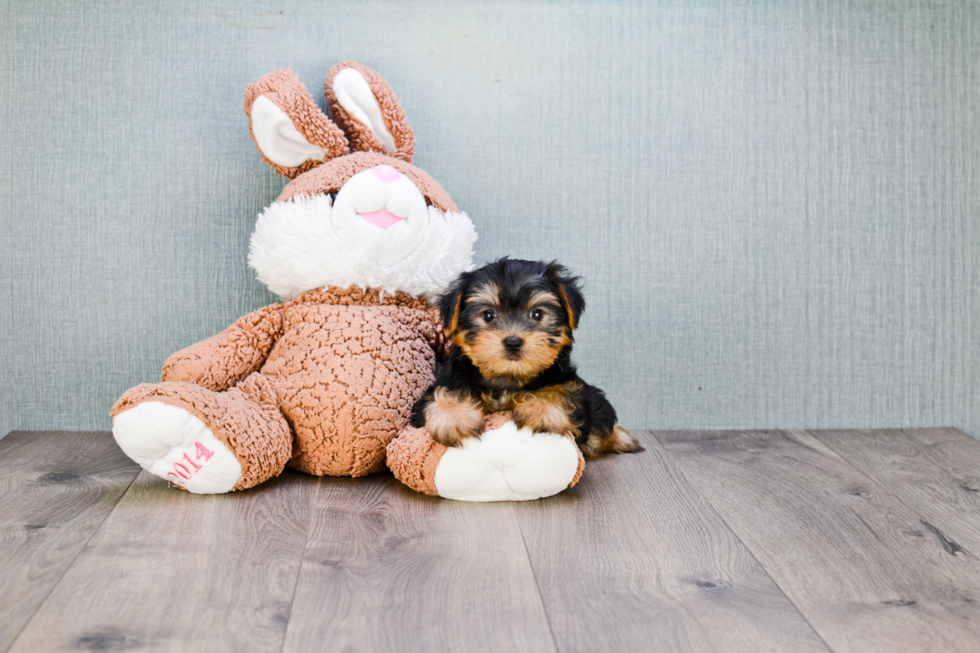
column 512, row 318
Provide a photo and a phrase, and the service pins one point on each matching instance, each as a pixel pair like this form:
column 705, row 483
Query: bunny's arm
column 223, row 360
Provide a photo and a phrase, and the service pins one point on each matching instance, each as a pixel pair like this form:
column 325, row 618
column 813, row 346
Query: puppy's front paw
column 450, row 417
column 542, row 414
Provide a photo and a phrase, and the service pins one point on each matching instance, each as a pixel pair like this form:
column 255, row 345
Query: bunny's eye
column 489, row 316
column 537, row 314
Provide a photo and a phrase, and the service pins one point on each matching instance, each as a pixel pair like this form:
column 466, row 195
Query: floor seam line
column 302, row 560
column 745, row 546
column 534, row 575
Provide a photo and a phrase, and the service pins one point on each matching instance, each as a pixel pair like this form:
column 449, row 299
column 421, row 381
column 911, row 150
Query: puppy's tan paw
column 542, row 413
column 450, row 417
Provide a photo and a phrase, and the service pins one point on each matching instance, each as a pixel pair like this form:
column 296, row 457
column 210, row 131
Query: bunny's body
column 357, row 243
column 321, row 381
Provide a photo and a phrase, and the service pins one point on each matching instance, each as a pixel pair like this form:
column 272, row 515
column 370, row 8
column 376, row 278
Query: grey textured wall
column 775, row 205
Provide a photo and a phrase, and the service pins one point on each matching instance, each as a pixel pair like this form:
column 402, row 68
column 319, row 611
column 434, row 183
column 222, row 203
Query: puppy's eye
column 489, row 316
column 537, row 314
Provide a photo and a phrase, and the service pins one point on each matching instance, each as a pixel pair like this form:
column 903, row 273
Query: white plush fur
column 158, row 435
column 507, row 464
column 298, row 246
column 374, row 246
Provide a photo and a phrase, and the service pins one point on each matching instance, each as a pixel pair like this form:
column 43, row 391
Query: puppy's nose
column 513, row 343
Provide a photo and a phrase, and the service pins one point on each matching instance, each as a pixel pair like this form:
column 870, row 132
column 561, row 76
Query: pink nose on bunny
column 385, row 173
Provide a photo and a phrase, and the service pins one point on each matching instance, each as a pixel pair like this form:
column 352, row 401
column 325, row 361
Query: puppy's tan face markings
column 490, row 355
column 542, row 299
column 494, row 320
column 486, row 295
column 545, row 308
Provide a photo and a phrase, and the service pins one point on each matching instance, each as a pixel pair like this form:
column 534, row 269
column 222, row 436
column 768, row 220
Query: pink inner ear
column 383, row 218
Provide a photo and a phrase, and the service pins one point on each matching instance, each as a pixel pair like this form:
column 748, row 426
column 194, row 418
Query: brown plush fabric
column 362, row 139
column 581, row 462
column 330, row 176
column 413, row 457
column 287, row 92
column 443, row 343
column 496, row 420
column 246, row 419
column 338, row 372
column 224, row 359
column 348, row 375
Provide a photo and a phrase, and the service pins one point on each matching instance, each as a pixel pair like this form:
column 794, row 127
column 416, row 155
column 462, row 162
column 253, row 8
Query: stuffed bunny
column 357, row 244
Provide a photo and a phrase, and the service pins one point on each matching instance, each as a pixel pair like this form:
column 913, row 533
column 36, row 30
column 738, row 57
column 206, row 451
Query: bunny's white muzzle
column 378, row 233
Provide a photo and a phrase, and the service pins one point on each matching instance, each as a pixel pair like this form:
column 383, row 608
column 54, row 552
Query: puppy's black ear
column 451, row 302
column 568, row 291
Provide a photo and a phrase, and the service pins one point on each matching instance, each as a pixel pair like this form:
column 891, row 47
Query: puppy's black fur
column 511, row 323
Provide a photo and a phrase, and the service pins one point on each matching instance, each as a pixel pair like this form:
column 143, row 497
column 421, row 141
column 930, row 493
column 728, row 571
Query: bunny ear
column 289, row 129
column 368, row 110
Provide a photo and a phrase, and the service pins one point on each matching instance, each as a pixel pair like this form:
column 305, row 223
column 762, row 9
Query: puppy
column 511, row 324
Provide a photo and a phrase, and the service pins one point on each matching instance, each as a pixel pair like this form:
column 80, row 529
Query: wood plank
column 860, row 565
column 387, row 568
column 935, row 472
column 169, row 570
column 55, row 490
column 633, row 559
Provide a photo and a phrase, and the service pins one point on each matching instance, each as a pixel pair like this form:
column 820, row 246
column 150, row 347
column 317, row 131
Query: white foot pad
column 507, row 464
column 171, row 443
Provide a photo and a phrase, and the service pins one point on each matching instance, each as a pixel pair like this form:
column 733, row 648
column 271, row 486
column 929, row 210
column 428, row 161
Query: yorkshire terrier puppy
column 511, row 324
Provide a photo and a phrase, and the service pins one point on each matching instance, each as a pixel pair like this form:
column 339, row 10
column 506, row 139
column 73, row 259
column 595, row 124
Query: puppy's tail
column 621, row 441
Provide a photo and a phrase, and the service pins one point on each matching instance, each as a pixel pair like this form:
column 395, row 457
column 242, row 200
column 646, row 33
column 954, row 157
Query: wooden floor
column 847, row 541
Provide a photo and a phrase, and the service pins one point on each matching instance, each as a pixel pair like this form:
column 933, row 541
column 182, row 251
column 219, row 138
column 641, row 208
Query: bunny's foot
column 203, row 441
column 504, row 464
column 169, row 442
